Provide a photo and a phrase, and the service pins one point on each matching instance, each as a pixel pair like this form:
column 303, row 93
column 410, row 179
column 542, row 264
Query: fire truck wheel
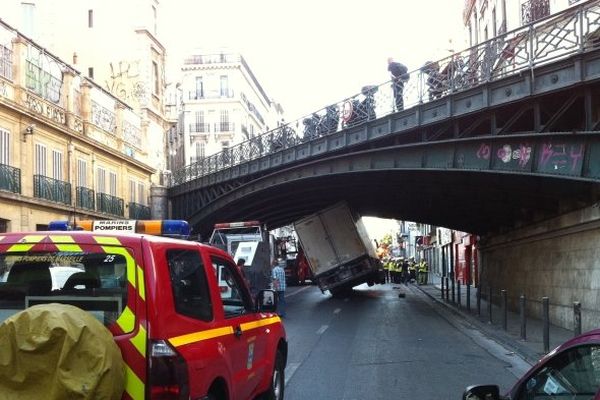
column 61, row 347
column 276, row 390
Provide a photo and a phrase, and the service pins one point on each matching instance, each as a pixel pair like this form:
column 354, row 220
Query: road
column 374, row 345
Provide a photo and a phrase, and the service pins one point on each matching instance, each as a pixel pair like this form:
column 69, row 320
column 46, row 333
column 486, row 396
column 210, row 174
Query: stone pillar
column 158, row 202
column 86, row 103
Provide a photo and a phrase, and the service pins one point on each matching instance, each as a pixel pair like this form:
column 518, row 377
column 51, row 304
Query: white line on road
column 322, row 329
column 289, row 371
column 337, row 310
column 296, row 292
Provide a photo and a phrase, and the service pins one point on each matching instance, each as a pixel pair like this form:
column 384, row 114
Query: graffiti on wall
column 126, row 81
column 562, row 157
column 521, row 154
column 104, row 118
column 47, row 110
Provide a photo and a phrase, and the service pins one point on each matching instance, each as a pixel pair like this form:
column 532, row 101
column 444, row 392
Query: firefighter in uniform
column 412, row 270
column 423, row 272
column 386, row 271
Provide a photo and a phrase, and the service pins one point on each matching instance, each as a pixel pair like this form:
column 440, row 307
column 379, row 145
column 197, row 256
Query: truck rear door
column 316, row 243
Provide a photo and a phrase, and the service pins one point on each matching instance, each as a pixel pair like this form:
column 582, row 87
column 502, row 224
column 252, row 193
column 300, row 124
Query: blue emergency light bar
column 168, row 227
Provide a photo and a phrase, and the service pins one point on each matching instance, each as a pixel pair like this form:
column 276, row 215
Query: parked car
column 571, row 371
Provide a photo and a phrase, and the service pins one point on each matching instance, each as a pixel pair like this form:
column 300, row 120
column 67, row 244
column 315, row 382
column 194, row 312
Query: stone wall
column 558, row 258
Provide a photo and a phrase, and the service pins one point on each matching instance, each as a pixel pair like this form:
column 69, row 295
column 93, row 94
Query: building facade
column 114, row 44
column 64, row 143
column 485, row 19
column 221, row 104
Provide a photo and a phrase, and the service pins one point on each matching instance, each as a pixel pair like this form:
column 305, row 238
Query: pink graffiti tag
column 559, row 157
column 484, row 151
column 523, row 154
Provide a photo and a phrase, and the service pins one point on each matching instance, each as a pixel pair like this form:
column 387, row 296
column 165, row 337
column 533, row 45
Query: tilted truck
column 338, row 249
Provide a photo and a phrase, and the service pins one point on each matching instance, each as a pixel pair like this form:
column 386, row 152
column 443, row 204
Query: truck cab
column 180, row 334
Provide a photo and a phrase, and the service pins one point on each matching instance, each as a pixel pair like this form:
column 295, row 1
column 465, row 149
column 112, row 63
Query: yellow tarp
column 58, row 351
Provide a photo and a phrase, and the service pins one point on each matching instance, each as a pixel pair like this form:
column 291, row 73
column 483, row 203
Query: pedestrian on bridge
column 399, row 77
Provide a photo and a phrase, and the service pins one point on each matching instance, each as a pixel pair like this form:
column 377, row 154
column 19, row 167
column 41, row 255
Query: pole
column 459, row 297
column 453, row 289
column 447, row 288
column 504, row 309
column 546, row 320
column 489, row 299
column 468, row 296
column 479, row 299
column 577, row 318
column 523, row 317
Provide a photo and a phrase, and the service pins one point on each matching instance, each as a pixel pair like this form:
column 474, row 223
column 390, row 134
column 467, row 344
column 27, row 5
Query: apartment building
column 64, row 143
column 114, row 44
column 222, row 104
column 485, row 19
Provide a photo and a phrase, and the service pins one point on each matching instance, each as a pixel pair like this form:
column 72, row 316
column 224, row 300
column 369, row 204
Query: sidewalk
column 531, row 349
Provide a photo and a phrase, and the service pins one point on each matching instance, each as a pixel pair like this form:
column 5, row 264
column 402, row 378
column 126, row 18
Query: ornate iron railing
column 84, row 198
column 199, row 128
column 6, row 63
column 51, row 189
column 559, row 36
column 109, row 204
column 533, row 10
column 138, row 211
column 224, row 127
column 10, row 178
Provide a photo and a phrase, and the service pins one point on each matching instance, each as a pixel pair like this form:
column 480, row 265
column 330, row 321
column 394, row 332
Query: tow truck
column 157, row 295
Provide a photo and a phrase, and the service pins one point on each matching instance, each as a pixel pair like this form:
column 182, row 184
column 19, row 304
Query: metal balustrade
column 84, row 198
column 109, row 204
column 543, row 41
column 51, row 189
column 138, row 211
column 10, row 178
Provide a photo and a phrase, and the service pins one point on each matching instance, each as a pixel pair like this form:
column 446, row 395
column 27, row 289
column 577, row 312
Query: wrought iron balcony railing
column 109, row 204
column 138, row 211
column 199, row 128
column 200, row 95
column 84, row 198
column 10, row 178
column 224, row 127
column 51, row 189
column 572, row 31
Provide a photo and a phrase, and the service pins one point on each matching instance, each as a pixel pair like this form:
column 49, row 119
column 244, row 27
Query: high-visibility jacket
column 423, row 266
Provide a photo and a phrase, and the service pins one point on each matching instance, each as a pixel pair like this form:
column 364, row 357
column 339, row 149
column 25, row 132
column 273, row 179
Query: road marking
column 322, row 329
column 296, row 292
column 290, row 369
column 337, row 310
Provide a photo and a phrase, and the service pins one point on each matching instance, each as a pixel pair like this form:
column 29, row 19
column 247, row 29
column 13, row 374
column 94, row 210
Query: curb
column 529, row 355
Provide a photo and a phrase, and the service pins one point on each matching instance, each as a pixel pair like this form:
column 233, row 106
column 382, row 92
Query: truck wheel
column 276, row 390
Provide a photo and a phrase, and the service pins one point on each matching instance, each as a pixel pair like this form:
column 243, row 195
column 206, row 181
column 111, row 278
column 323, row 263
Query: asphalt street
column 374, row 345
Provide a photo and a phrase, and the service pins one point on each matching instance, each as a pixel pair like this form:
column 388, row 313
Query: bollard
column 447, row 289
column 504, row 309
column 522, row 317
column 577, row 318
column 458, row 296
column 489, row 299
column 546, row 319
column 468, row 297
column 453, row 291
column 442, row 291
column 479, row 301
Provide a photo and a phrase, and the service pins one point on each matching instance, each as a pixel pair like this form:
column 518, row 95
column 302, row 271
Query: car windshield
column 95, row 282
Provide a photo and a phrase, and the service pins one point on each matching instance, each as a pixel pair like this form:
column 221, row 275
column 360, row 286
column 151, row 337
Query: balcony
column 84, row 198
column 51, row 189
column 109, row 204
column 199, row 128
column 138, row 211
column 10, row 178
column 201, row 95
column 224, row 127
column 533, row 10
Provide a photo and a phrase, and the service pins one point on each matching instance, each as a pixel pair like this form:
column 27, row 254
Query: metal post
column 453, row 290
column 442, row 291
column 522, row 317
column 447, row 288
column 504, row 309
column 468, row 296
column 479, row 300
column 459, row 297
column 546, row 320
column 577, row 318
column 489, row 299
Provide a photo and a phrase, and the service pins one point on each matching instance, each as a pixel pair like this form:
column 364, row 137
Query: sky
column 310, row 53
